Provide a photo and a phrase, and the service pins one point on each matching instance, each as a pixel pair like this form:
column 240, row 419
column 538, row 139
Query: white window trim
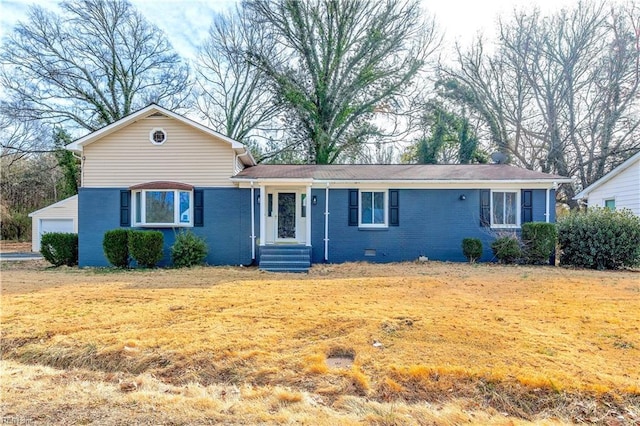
column 157, row 129
column 518, row 209
column 604, row 202
column 386, row 208
column 176, row 209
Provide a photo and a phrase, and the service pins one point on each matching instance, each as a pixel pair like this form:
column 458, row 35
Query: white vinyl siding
column 127, row 157
column 624, row 188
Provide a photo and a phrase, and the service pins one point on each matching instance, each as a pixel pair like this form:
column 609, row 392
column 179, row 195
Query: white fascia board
column 466, row 183
column 125, row 121
column 51, row 206
column 244, row 152
column 606, row 178
column 409, row 184
column 246, row 183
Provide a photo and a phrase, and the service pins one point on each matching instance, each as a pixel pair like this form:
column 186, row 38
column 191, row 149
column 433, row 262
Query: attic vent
column 157, row 136
column 157, row 114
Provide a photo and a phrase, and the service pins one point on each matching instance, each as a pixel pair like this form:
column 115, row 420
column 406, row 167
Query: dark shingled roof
column 394, row 172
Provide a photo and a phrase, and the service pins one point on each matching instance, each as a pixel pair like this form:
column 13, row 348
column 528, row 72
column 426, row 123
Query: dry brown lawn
column 433, row 343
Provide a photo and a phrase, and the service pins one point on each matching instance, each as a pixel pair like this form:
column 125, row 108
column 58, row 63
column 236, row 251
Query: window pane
column 159, row 207
column 367, row 207
column 378, row 207
column 138, row 207
column 185, row 211
column 498, row 208
column 610, row 204
column 510, row 208
column 303, row 204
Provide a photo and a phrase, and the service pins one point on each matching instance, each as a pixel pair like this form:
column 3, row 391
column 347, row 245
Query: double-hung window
column 504, row 209
column 373, row 208
column 162, row 207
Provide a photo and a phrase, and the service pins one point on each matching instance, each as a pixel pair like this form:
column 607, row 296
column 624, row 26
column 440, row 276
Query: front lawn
column 430, row 343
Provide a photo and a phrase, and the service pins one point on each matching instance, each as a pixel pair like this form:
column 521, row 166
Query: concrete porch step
column 285, row 258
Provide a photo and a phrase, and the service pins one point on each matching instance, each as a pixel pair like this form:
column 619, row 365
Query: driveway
column 19, row 256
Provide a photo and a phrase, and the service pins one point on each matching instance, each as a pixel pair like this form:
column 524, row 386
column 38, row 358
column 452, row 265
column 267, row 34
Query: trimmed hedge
column 472, row 249
column 539, row 239
column 116, row 247
column 145, row 247
column 60, row 248
column 188, row 250
column 507, row 249
column 600, row 239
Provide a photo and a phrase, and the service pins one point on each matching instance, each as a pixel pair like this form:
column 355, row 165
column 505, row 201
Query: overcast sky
column 186, row 21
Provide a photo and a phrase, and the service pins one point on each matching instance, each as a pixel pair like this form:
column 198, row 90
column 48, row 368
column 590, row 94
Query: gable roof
column 397, row 172
column 606, row 178
column 54, row 205
column 78, row 144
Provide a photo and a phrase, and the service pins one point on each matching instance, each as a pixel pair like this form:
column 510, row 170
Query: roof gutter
column 551, row 181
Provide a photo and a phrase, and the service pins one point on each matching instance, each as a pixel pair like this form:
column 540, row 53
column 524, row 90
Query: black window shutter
column 125, row 208
column 198, row 207
column 394, row 207
column 485, row 207
column 527, row 206
column 353, row 207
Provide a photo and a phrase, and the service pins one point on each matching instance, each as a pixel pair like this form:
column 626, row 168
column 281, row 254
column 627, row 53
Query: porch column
column 263, row 220
column 308, row 212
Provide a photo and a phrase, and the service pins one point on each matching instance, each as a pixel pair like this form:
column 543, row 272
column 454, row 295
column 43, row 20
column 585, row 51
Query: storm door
column 286, row 215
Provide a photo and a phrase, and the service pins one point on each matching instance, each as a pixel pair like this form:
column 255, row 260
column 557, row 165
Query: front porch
column 285, row 228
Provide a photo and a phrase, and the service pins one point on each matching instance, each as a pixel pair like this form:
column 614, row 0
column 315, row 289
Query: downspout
column 546, row 212
column 326, row 223
column 263, row 219
column 555, row 188
column 81, row 158
column 253, row 224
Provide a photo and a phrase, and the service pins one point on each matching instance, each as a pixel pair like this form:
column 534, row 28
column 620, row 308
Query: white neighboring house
column 618, row 189
column 59, row 217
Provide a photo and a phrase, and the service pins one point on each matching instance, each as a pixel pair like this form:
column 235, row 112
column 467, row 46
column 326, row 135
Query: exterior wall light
column 463, row 197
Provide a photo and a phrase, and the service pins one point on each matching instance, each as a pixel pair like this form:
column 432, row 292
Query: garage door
column 55, row 225
column 51, row 225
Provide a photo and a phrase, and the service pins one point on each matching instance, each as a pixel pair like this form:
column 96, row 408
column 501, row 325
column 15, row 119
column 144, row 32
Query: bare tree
column 20, row 139
column 95, row 62
column 234, row 96
column 340, row 63
column 561, row 92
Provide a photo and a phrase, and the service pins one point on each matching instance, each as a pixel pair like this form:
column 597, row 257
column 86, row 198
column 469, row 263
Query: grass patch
column 533, row 343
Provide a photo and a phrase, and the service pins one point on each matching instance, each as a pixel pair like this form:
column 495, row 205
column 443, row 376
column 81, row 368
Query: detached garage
column 59, row 217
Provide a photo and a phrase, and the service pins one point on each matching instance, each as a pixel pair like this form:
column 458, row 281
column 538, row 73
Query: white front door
column 285, row 216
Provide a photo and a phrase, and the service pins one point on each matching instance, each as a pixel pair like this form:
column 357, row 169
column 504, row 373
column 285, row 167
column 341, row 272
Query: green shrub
column 507, row 249
column 188, row 250
column 539, row 239
column 472, row 249
column 116, row 247
column 145, row 247
column 60, row 248
column 600, row 239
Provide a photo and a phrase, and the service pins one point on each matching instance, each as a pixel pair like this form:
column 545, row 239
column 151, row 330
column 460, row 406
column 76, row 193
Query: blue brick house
column 155, row 169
